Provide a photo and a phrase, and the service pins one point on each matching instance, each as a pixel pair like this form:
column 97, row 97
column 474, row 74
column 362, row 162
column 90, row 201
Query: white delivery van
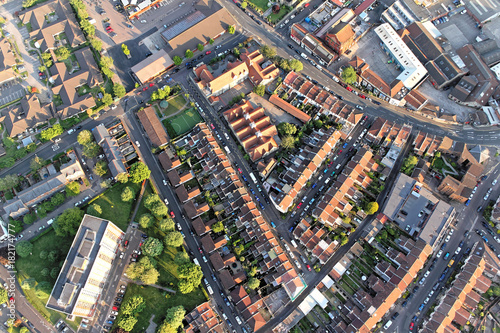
column 294, row 244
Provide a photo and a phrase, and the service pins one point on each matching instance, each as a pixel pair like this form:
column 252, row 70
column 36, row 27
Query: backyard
column 31, row 268
column 113, row 208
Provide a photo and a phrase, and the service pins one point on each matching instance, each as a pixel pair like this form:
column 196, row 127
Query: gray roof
column 111, row 150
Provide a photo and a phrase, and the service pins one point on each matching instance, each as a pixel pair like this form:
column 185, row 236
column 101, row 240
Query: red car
column 411, row 326
column 11, row 299
column 172, row 214
column 348, row 88
column 108, row 27
column 340, row 152
column 299, row 205
column 308, row 268
column 151, row 84
column 201, row 251
column 145, row 88
column 212, row 125
column 208, row 52
column 239, row 170
column 330, row 164
column 115, row 308
column 362, row 96
column 306, row 5
column 110, row 30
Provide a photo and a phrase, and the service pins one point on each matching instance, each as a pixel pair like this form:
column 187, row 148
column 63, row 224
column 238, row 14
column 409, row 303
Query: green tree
column 29, row 3
column 349, row 75
column 371, row 208
column 139, row 172
column 166, row 224
column 296, row 65
column 211, row 41
column 260, row 90
column 29, row 218
column 24, row 248
column 94, row 209
column 43, row 254
column 107, row 99
column 200, row 47
column 437, row 154
column 57, row 199
column 185, row 287
column 161, row 93
column 68, row 222
column 173, row 238
column 159, row 209
column 244, row 4
column 286, row 129
column 409, row 164
column 239, row 249
column 52, row 256
column 54, row 272
column 253, row 283
column 284, row 64
column 119, row 90
column 37, row 163
column 152, row 247
column 317, row 124
column 8, row 182
column 84, row 137
column 62, row 53
column 231, row 30
column 236, row 51
column 45, row 272
column 134, row 305
column 181, row 257
column 267, row 51
column 91, row 150
column 288, row 142
column 27, row 284
column 146, row 220
column 51, row 132
column 101, row 168
column 73, row 189
column 96, row 43
column 122, row 177
column 150, row 276
column 125, row 50
column 127, row 194
column 127, row 323
column 252, row 271
column 218, row 227
column 177, row 60
column 43, row 290
column 189, row 54
column 175, row 315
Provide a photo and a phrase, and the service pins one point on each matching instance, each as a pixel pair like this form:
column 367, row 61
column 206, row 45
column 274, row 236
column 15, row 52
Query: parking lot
column 459, row 30
column 10, row 91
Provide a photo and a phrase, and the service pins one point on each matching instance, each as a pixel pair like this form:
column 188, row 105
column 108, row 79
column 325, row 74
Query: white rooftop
column 413, row 70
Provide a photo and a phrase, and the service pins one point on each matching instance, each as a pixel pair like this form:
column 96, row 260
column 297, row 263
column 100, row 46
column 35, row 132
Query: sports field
column 184, row 121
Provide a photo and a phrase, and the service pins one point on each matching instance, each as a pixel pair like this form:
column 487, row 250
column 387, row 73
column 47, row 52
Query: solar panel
column 183, row 25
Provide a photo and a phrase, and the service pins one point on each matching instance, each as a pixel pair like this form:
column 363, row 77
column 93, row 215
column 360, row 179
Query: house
column 216, row 260
column 169, row 162
column 340, row 38
column 479, row 85
column 289, row 108
column 80, row 284
column 209, row 20
column 7, row 61
column 253, row 129
column 194, row 210
column 151, row 67
column 69, row 87
column 235, row 73
column 22, row 119
column 226, row 279
column 312, row 44
column 203, row 319
column 265, row 168
column 111, row 149
column 184, row 195
column 153, row 127
column 261, row 71
column 52, row 24
column 53, row 183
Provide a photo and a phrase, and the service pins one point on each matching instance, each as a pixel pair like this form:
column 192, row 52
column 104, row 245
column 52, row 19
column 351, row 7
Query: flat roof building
column 413, row 70
column 84, row 273
column 152, row 66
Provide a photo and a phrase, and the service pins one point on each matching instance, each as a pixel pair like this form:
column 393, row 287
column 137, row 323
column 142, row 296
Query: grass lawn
column 57, row 100
column 346, row 288
column 143, row 209
column 32, row 266
column 261, row 4
column 174, row 104
column 185, row 121
column 113, row 208
column 275, row 18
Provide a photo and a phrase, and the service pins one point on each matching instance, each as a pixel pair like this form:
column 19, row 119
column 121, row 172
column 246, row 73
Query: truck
column 210, row 290
column 253, row 178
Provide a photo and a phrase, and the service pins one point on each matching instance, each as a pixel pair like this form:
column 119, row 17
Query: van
column 303, row 55
column 210, row 290
column 294, row 244
column 49, row 222
column 196, row 262
column 337, row 167
column 388, row 324
column 238, row 320
column 227, row 149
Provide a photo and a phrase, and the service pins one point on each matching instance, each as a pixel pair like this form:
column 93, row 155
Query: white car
column 179, row 226
column 164, row 182
column 427, row 274
column 422, row 281
column 496, row 239
column 494, row 182
column 137, row 144
column 447, row 239
column 438, row 255
column 205, row 259
column 451, row 232
column 457, row 251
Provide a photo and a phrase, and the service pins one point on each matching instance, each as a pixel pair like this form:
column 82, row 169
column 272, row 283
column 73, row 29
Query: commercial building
column 413, row 72
column 152, row 66
column 85, row 271
column 209, row 20
column 398, row 15
column 253, row 129
column 260, row 70
column 407, row 197
column 340, row 38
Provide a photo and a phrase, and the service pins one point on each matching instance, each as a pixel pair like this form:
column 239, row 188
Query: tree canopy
column 139, row 172
column 349, row 75
column 119, row 90
column 91, row 150
column 122, row 177
column 231, row 29
column 173, row 238
column 288, row 142
column 37, row 163
column 73, row 189
column 189, row 54
column 62, row 53
column 260, row 90
column 24, row 248
column 94, row 209
column 68, row 222
column 286, row 129
column 51, row 132
column 152, row 247
column 217, row 227
column 127, row 194
column 177, row 60
column 85, row 137
column 371, row 208
column 267, row 51
column 101, row 168
column 253, row 283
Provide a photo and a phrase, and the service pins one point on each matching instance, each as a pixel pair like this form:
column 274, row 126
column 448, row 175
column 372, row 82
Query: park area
column 182, row 122
column 259, row 4
column 274, row 18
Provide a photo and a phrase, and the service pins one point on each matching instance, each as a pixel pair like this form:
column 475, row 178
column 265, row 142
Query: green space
column 275, row 18
column 32, row 267
column 142, row 209
column 182, row 123
column 70, row 122
column 260, row 4
column 69, row 62
column 174, row 105
column 438, row 163
column 346, row 287
column 113, row 208
column 158, row 302
column 57, row 100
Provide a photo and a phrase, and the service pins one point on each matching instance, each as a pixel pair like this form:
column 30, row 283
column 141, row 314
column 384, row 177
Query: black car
column 395, row 315
column 144, row 236
column 376, row 102
column 297, row 51
column 290, row 46
column 118, row 299
column 340, row 97
column 176, row 70
column 416, row 288
column 141, row 101
column 116, row 303
column 431, row 267
column 149, row 54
